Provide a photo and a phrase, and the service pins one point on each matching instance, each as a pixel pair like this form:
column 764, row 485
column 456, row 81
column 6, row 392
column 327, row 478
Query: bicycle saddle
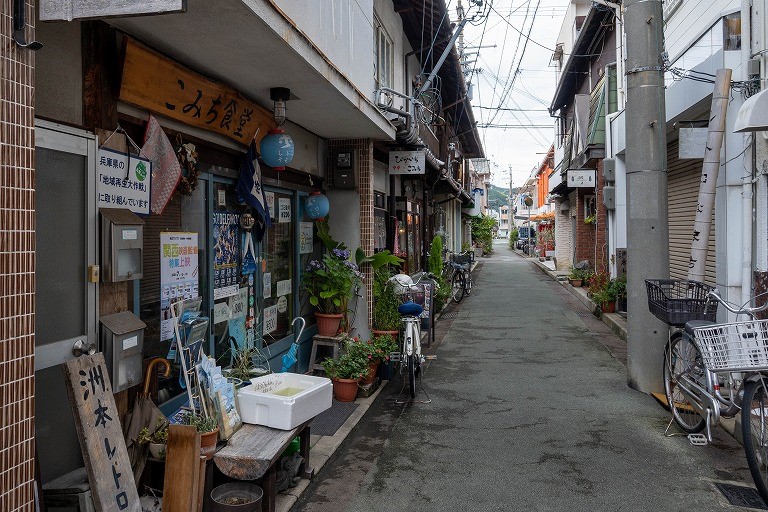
column 410, row 308
column 696, row 324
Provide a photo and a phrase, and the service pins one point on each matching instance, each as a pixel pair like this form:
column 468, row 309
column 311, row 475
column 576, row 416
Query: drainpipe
column 747, row 222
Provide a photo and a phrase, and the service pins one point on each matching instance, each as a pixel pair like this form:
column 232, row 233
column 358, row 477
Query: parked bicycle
column 460, row 268
column 714, row 371
column 411, row 358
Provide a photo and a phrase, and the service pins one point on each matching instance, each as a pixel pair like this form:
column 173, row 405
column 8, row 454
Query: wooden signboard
column 68, row 10
column 163, row 86
column 101, row 436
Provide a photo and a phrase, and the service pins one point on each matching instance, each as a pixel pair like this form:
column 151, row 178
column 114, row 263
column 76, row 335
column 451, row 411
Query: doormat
column 328, row 422
column 741, row 496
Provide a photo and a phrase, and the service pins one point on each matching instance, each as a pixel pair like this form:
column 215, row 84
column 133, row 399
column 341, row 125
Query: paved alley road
column 529, row 411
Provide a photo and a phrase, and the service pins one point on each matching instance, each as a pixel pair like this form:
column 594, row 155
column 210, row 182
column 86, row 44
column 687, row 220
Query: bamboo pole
column 708, row 184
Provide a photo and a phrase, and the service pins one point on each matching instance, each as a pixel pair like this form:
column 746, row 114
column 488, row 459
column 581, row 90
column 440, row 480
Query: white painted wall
column 691, row 20
column 342, row 30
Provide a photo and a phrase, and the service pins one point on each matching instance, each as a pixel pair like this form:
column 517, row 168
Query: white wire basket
column 734, row 346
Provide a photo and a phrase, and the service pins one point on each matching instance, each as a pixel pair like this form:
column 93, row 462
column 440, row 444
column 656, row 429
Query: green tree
column 482, row 232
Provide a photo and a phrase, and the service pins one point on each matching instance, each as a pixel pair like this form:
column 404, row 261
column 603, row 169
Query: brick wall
column 17, row 266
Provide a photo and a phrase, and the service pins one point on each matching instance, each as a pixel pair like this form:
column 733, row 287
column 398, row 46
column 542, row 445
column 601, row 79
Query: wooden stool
column 69, row 491
column 333, row 342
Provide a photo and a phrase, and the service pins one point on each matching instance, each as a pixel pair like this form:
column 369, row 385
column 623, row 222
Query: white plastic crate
column 303, row 397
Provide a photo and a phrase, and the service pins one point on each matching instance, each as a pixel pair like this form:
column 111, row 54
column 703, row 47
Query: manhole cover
column 741, row 496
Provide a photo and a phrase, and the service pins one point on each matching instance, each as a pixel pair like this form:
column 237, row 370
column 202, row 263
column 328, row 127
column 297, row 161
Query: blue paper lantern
column 277, row 149
column 317, row 206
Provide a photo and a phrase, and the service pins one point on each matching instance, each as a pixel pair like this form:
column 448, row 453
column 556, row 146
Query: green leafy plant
column 435, row 260
column 159, row 436
column 590, row 219
column 482, row 232
column 386, row 302
column 384, row 345
column 513, row 236
column 547, row 239
column 202, row 423
column 619, row 286
column 330, row 282
column 600, row 289
column 465, row 247
column 351, row 364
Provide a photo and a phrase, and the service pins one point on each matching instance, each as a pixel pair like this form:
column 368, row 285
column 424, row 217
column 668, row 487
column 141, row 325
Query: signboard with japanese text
column 407, row 162
column 271, row 204
column 124, row 181
column 161, row 85
column 97, row 422
column 267, row 278
column 283, row 287
column 306, row 232
column 226, row 254
column 284, row 212
column 69, row 10
column 270, row 319
column 179, row 275
column 582, row 178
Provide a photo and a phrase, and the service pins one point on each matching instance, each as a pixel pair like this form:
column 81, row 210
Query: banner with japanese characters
column 179, row 275
column 226, row 254
column 124, row 181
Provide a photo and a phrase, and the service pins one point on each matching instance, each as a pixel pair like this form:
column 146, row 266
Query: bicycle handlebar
column 715, row 295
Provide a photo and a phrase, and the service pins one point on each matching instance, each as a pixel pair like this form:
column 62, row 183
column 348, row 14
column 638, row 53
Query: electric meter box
column 122, row 339
column 122, row 243
column 609, row 169
column 609, row 197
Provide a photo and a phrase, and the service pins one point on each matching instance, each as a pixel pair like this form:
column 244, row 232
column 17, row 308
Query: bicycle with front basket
column 712, row 370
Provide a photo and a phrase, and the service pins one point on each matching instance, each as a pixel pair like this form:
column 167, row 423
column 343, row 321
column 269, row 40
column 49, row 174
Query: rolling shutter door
column 683, row 178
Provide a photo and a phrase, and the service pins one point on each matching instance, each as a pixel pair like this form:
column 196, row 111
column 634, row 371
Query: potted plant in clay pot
column 157, row 440
column 386, row 318
column 346, row 372
column 603, row 292
column 330, row 283
column 575, row 277
column 208, row 428
column 366, row 350
column 384, row 346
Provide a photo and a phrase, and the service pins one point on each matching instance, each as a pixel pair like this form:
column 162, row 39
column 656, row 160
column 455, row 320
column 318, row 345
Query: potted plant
column 620, row 285
column 157, row 440
column 575, row 277
column 603, row 293
column 346, row 372
column 366, row 350
column 386, row 319
column 385, row 345
column 207, row 427
column 330, row 283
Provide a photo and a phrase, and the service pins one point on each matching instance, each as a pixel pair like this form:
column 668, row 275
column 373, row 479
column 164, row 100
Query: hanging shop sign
column 406, row 162
column 69, row 10
column 179, row 275
column 581, row 178
column 306, row 232
column 124, row 181
column 271, row 203
column 97, row 422
column 226, row 254
column 161, row 85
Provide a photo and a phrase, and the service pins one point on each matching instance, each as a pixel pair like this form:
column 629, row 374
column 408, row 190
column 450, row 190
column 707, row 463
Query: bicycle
column 712, row 370
column 461, row 275
column 410, row 357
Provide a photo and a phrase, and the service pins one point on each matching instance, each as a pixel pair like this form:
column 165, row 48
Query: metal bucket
column 236, row 497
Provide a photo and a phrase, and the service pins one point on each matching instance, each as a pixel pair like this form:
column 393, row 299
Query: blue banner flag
column 250, row 189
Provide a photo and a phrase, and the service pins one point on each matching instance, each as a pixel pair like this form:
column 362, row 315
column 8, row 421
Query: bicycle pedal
column 697, row 439
column 431, row 358
column 395, row 357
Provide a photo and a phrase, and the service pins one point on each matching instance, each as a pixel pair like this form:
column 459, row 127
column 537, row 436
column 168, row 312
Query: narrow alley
column 529, row 411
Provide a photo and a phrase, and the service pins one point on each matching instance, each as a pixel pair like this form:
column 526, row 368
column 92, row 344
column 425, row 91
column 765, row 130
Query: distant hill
column 497, row 196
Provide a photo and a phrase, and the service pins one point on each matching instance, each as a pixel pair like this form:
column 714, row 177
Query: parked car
column 522, row 237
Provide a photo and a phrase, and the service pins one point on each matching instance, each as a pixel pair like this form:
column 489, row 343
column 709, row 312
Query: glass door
column 278, row 266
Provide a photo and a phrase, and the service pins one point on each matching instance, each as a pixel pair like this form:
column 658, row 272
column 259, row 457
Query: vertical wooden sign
column 101, row 436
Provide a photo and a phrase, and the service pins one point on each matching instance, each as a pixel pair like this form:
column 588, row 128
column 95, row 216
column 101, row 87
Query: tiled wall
column 364, row 187
column 17, row 266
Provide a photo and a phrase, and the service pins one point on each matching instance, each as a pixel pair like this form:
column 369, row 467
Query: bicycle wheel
column 457, row 286
column 468, row 284
column 681, row 357
column 412, row 375
column 754, row 425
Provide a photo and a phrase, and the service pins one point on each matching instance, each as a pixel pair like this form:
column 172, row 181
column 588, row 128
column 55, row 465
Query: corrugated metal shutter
column 170, row 220
column 683, row 184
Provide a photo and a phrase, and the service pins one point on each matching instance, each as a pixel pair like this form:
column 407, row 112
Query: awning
column 753, row 114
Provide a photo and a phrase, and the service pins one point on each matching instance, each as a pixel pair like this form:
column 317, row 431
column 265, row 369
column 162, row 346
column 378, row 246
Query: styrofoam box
column 261, row 406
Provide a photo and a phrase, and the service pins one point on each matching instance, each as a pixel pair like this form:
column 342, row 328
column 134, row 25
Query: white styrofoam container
column 260, row 406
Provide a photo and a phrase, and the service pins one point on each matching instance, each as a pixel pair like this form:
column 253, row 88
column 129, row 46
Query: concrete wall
column 563, row 238
column 691, row 20
column 309, row 150
column 59, row 73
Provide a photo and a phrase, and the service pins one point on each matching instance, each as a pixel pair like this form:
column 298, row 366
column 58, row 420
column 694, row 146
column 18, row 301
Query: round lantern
column 317, row 206
column 277, row 149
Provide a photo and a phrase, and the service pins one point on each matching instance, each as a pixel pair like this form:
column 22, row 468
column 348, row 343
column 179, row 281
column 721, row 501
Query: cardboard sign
column 101, row 437
column 124, row 181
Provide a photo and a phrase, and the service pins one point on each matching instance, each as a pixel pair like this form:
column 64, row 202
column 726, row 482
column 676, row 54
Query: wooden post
column 182, row 469
column 709, row 171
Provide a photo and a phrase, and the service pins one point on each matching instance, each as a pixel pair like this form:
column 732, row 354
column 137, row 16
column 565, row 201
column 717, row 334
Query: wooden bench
column 252, row 452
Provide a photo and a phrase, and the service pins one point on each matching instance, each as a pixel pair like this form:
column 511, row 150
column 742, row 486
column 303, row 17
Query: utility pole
column 647, row 224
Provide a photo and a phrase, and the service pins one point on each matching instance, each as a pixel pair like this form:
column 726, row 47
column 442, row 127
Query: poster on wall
column 306, row 233
column 226, row 254
column 267, row 285
column 124, row 181
column 270, row 319
column 283, row 287
column 179, row 275
column 271, row 203
column 285, row 209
